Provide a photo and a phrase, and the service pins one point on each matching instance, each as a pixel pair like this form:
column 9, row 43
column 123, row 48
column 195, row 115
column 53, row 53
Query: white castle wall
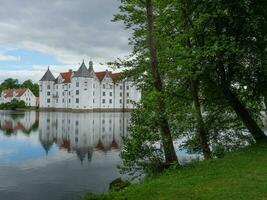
column 88, row 93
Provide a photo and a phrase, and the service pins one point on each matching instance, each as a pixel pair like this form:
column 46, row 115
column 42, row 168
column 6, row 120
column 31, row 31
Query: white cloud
column 9, row 58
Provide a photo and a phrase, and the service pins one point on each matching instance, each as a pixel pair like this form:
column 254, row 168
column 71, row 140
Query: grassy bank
column 239, row 175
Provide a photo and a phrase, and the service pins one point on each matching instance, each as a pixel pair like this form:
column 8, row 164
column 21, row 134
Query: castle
column 86, row 89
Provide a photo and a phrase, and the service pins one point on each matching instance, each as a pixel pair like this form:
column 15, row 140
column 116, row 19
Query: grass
column 240, row 175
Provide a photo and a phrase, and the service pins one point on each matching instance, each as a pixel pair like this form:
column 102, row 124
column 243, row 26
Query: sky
column 36, row 34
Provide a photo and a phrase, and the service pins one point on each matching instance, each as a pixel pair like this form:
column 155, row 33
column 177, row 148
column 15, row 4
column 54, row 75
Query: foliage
column 239, row 175
column 141, row 152
column 118, row 184
column 13, row 105
column 221, row 45
column 14, row 83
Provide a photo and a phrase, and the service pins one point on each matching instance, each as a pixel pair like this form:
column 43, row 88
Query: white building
column 21, row 94
column 85, row 89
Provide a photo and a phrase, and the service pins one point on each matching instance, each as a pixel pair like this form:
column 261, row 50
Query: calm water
column 58, row 155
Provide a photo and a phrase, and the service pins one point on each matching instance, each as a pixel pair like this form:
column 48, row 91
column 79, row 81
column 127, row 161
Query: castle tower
column 46, row 90
column 82, row 87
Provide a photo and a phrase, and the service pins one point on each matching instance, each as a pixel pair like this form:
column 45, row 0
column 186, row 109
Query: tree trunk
column 166, row 136
column 243, row 114
column 202, row 131
column 238, row 107
column 265, row 105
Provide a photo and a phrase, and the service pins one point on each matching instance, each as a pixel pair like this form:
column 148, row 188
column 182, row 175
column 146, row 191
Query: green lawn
column 239, row 175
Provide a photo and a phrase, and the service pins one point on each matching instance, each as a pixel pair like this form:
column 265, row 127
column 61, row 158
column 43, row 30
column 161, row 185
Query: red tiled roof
column 10, row 92
column 115, row 76
column 100, row 75
column 66, row 76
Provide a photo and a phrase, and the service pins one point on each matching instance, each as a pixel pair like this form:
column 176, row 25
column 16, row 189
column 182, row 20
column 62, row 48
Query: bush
column 13, row 105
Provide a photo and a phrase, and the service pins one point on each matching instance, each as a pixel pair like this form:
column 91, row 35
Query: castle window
column 62, row 100
column 69, row 100
column 120, row 100
column 104, row 94
column 48, row 100
column 127, row 94
column 77, row 92
column 62, row 93
column 110, row 86
column 104, row 86
column 120, row 87
column 56, row 100
column 110, row 101
column 103, row 101
column 120, row 94
column 94, row 85
column 56, row 86
column 110, row 94
column 77, row 100
column 127, row 88
column 128, row 101
column 93, row 93
column 77, row 84
column 93, row 100
column 48, row 87
column 69, row 93
column 48, row 93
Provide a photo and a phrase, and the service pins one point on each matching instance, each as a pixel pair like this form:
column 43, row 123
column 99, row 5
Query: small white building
column 86, row 89
column 21, row 94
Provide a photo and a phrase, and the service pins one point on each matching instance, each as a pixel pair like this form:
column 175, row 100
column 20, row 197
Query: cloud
column 69, row 30
column 9, row 58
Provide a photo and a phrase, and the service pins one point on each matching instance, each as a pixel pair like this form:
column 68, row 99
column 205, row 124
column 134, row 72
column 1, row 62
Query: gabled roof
column 82, row 71
column 102, row 74
column 14, row 92
column 66, row 76
column 48, row 76
column 115, row 76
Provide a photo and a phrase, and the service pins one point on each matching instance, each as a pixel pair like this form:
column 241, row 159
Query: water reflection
column 58, row 155
column 82, row 133
column 12, row 122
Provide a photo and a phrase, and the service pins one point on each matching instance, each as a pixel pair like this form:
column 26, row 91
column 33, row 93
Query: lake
column 60, row 155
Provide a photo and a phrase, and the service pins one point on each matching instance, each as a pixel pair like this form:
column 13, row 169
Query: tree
column 34, row 87
column 10, row 83
column 166, row 136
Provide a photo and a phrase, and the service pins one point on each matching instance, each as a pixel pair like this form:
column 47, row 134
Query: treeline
column 202, row 69
column 11, row 83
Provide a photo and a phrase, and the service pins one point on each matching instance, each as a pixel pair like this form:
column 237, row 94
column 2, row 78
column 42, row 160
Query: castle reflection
column 80, row 133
